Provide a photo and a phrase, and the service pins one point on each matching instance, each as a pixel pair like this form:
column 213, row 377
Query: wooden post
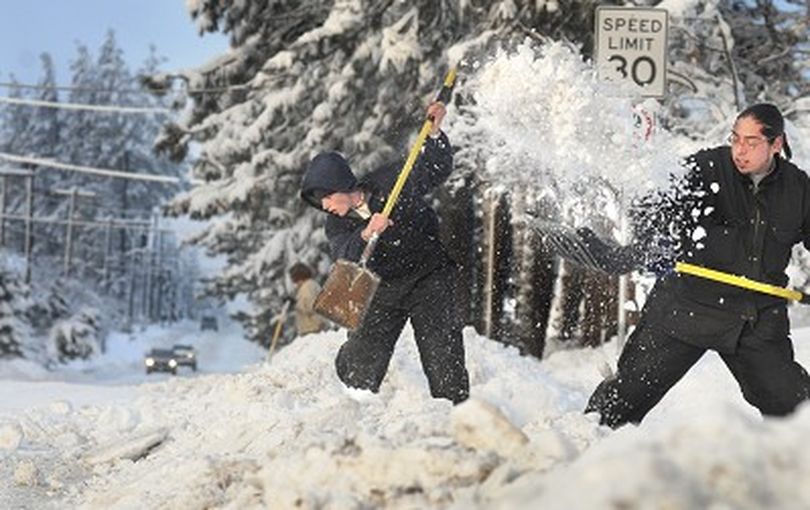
column 490, row 268
column 621, row 323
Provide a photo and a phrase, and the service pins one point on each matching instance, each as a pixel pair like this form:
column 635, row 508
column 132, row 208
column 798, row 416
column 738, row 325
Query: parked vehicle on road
column 161, row 360
column 185, row 355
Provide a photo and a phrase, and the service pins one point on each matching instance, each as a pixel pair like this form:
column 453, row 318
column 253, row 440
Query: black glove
column 582, row 246
column 608, row 256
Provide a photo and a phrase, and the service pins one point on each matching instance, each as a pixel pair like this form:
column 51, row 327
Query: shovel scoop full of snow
column 347, row 293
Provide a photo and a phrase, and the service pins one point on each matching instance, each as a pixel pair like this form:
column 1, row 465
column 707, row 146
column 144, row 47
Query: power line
column 115, row 223
column 89, row 170
column 203, row 90
column 102, row 207
column 14, row 85
column 86, row 107
column 52, row 198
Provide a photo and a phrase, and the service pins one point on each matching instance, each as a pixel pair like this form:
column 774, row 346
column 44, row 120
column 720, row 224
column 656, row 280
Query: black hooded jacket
column 738, row 229
column 410, row 247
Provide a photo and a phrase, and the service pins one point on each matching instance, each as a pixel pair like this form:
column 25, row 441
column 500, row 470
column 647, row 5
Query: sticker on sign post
column 631, row 47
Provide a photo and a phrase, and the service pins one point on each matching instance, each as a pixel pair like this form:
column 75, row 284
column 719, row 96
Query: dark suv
column 161, row 360
column 185, row 355
column 208, row 322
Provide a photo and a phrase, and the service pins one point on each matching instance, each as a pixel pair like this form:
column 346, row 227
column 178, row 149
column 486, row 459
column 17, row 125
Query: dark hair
column 773, row 123
column 300, row 272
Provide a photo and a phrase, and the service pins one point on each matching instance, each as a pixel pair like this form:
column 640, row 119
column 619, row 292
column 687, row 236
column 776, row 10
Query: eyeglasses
column 750, row 142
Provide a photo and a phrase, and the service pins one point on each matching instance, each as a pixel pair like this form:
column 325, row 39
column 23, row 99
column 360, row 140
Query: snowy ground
column 286, row 435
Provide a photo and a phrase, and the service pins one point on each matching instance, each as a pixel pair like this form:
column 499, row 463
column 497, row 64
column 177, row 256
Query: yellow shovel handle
column 449, row 81
column 444, row 97
column 406, row 169
column 738, row 281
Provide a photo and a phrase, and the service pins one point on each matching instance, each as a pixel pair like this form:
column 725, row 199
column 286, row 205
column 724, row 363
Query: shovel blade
column 347, row 293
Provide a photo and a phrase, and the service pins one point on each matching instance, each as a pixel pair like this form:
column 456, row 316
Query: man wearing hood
column 418, row 278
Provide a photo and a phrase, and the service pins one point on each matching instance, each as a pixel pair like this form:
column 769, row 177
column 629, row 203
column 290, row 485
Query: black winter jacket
column 410, row 247
column 738, row 230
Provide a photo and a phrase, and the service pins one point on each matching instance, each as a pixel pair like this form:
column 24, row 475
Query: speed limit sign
column 631, row 47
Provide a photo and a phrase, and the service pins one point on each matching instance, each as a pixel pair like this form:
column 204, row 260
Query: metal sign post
column 631, row 47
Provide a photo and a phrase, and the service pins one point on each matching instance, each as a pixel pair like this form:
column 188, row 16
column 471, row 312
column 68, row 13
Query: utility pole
column 131, row 296
column 124, row 201
column 4, row 174
column 69, row 231
column 149, row 252
column 154, row 245
column 72, row 193
column 158, row 301
column 29, row 215
column 3, row 211
column 29, row 225
column 107, row 254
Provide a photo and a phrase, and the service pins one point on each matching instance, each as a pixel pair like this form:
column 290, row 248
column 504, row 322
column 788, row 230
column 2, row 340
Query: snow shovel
column 350, row 286
column 741, row 281
column 280, row 318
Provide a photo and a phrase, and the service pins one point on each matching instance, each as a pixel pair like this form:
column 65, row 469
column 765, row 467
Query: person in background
column 307, row 289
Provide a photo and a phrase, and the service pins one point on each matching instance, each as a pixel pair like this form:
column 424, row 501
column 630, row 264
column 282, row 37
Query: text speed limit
column 631, row 46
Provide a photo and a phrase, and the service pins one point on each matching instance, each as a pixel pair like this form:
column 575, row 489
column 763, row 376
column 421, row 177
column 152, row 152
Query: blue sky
column 30, row 27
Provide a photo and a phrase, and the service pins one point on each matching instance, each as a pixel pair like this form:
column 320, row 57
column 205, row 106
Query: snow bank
column 10, row 436
column 287, row 435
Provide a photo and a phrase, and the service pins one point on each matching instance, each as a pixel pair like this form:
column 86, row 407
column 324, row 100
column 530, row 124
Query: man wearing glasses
column 741, row 208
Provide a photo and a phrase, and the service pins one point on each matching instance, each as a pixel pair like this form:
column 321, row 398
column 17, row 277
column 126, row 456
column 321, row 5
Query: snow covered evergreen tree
column 44, row 132
column 17, row 119
column 53, row 306
column 729, row 54
column 78, row 124
column 30, row 130
column 76, row 338
column 306, row 76
column 15, row 330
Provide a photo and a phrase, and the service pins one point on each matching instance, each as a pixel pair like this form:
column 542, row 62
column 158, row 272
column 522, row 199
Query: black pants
column 429, row 302
column 652, row 362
